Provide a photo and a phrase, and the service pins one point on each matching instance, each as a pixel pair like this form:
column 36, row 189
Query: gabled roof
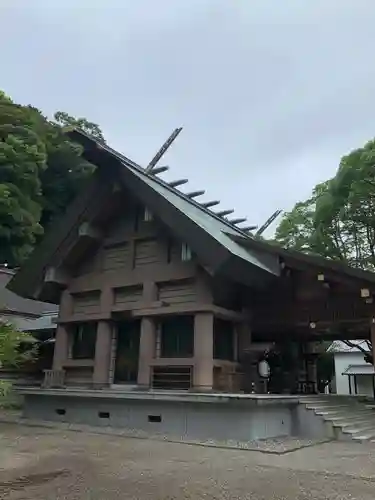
column 340, row 347
column 208, row 234
column 13, row 304
column 221, row 246
column 220, row 228
column 365, row 369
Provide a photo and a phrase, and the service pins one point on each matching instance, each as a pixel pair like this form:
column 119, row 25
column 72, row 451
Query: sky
column 270, row 93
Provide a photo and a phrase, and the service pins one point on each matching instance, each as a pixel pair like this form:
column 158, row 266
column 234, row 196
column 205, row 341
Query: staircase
column 344, row 417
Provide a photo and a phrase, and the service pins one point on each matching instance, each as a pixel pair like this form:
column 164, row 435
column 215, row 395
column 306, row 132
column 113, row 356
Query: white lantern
column 264, row 369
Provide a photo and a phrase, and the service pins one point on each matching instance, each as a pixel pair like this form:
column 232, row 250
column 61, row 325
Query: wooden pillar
column 235, row 342
column 244, row 338
column 203, row 351
column 146, row 351
column 150, row 292
column 106, row 300
column 66, row 305
column 311, row 367
column 102, row 354
column 247, row 358
column 372, row 337
column 60, row 354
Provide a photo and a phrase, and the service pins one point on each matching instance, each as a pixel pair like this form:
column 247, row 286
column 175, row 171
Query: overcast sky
column 271, row 93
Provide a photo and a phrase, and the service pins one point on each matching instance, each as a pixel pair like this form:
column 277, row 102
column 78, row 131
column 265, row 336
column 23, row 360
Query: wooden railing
column 53, row 378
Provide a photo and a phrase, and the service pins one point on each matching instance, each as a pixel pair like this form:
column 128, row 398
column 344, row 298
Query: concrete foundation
column 195, row 416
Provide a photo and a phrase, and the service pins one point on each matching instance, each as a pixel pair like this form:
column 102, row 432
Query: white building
column 352, row 374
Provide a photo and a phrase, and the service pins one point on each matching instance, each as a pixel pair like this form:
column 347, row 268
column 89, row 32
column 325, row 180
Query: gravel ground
column 48, row 464
column 274, row 446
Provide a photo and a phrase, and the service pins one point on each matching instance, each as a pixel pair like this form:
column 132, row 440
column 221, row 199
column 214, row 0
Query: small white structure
column 352, row 374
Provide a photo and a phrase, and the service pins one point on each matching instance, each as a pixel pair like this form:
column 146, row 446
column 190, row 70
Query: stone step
column 344, row 413
column 338, row 407
column 337, row 412
column 309, row 399
column 331, row 407
column 365, row 436
column 358, row 429
column 351, row 422
column 349, row 418
column 321, row 402
column 334, row 397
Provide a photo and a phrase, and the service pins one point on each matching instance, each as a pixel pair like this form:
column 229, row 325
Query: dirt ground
column 49, row 464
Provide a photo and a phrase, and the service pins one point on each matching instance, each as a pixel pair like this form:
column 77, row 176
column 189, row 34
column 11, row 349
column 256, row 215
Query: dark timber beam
column 178, row 182
column 248, row 228
column 195, row 194
column 237, row 221
column 56, row 276
column 159, row 170
column 88, row 231
column 212, row 203
column 224, row 212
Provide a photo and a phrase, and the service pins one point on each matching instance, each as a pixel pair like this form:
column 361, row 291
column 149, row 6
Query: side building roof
column 14, row 304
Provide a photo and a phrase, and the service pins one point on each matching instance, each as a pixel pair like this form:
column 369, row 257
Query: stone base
column 195, row 416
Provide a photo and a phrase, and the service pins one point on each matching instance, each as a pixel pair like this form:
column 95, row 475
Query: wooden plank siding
column 128, row 296
column 177, row 292
column 86, row 303
column 116, row 257
column 147, row 252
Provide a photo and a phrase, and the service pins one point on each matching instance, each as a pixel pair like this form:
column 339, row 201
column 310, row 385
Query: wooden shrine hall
column 159, row 291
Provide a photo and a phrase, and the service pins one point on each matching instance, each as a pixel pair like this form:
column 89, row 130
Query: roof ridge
column 130, row 163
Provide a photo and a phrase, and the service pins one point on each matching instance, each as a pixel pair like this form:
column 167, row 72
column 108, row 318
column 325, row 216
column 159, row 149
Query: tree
column 22, row 159
column 367, row 352
column 64, row 177
column 345, row 212
column 41, row 172
column 65, row 120
column 338, row 220
column 297, row 227
column 16, row 348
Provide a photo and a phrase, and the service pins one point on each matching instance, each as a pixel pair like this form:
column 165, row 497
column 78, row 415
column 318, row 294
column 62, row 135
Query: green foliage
column 64, row 177
column 22, row 159
column 338, row 221
column 16, row 347
column 65, row 120
column 41, row 172
column 296, row 229
column 5, row 390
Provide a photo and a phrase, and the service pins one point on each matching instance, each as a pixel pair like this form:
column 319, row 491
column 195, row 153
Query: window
column 177, row 337
column 83, row 341
column 223, row 340
column 147, row 215
column 185, row 252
